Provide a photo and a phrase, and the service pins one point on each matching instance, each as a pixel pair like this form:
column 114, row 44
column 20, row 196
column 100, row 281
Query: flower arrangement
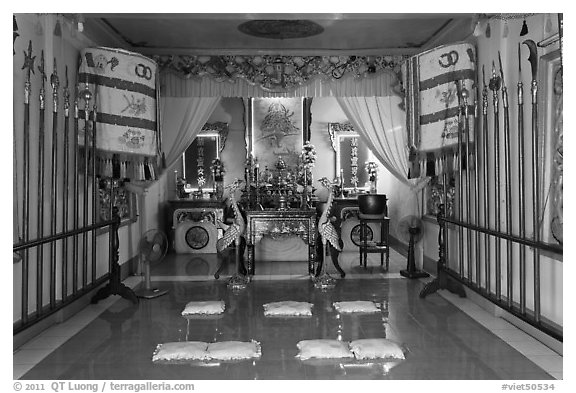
column 308, row 155
column 372, row 169
column 217, row 169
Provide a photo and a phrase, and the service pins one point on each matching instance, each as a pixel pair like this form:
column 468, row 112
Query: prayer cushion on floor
column 205, row 308
column 356, row 306
column 376, row 348
column 185, row 350
column 323, row 349
column 234, row 350
column 287, row 308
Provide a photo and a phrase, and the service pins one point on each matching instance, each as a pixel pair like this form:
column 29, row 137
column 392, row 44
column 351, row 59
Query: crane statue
column 233, row 233
column 328, row 234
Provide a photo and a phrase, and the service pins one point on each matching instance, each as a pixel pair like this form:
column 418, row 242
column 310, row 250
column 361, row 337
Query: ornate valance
column 266, row 75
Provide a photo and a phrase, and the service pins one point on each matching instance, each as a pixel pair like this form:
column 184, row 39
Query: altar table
column 279, row 223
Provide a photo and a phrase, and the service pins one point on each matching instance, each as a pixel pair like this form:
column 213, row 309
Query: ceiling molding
column 276, row 52
column 455, row 28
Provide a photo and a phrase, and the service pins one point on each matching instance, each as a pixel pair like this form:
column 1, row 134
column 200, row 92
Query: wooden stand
column 443, row 280
column 115, row 286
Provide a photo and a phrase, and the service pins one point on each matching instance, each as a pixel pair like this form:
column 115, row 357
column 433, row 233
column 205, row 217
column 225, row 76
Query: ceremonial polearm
column 65, row 191
column 533, row 59
column 487, row 238
column 494, row 85
column 458, row 169
column 29, row 67
column 521, row 188
column 94, row 187
column 466, row 166
column 477, row 193
column 508, row 173
column 86, row 95
column 75, row 198
column 55, row 84
column 40, row 234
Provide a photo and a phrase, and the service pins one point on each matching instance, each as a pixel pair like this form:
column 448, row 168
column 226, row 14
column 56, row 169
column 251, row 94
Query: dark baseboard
column 19, row 339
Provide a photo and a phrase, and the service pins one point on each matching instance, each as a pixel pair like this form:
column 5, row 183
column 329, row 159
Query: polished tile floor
column 446, row 337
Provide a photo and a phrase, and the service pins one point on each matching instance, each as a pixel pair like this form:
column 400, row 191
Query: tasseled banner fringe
column 122, row 166
column 455, row 162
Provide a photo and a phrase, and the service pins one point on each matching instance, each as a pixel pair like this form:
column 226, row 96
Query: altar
column 278, row 224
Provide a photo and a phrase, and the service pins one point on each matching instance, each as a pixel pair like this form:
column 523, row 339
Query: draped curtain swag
column 381, row 122
column 182, row 119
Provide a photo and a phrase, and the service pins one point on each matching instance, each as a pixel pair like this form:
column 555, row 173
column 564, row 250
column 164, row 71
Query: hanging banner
column 124, row 86
column 435, row 80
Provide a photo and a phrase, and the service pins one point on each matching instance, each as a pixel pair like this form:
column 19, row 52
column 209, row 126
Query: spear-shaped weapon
column 459, row 168
column 65, row 186
column 55, row 84
column 29, row 67
column 41, row 182
column 76, row 195
column 508, row 173
column 487, row 238
column 467, row 165
column 521, row 185
column 494, row 85
column 86, row 95
column 533, row 59
column 94, row 184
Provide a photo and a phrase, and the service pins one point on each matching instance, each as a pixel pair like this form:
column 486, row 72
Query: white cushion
column 185, row 350
column 376, row 348
column 323, row 349
column 287, row 308
column 356, row 306
column 233, row 350
column 206, row 308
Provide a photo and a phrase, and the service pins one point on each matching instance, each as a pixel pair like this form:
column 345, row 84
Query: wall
column 488, row 49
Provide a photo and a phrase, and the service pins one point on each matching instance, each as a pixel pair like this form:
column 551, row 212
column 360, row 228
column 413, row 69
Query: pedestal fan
column 152, row 249
column 410, row 229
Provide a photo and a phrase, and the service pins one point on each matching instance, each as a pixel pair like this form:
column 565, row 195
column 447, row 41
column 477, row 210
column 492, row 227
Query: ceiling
column 359, row 34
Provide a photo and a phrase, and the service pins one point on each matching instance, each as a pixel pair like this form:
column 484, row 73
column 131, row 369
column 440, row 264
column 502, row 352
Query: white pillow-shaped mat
column 288, row 308
column 180, row 351
column 376, row 348
column 358, row 306
column 204, row 308
column 234, row 350
column 323, row 349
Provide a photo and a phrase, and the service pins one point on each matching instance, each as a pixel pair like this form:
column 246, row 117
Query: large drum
column 435, row 82
column 124, row 89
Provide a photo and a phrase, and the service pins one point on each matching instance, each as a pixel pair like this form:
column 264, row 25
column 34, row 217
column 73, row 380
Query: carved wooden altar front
column 278, row 224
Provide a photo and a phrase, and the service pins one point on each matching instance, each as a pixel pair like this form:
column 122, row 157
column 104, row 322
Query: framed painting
column 277, row 130
column 551, row 99
column 197, row 160
column 351, row 156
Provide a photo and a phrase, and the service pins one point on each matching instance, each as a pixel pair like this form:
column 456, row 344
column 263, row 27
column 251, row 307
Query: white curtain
column 381, row 122
column 182, row 119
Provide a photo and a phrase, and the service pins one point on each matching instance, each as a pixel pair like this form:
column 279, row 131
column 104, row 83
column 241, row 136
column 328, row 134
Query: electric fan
column 410, row 229
column 153, row 247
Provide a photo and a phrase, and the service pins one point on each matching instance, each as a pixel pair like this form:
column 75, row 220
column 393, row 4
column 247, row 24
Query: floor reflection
column 442, row 342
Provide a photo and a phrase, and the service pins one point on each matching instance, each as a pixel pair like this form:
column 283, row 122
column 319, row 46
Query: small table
column 382, row 247
column 278, row 223
column 182, row 210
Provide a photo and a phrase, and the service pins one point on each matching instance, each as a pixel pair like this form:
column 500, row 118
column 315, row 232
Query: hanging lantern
column 524, row 30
